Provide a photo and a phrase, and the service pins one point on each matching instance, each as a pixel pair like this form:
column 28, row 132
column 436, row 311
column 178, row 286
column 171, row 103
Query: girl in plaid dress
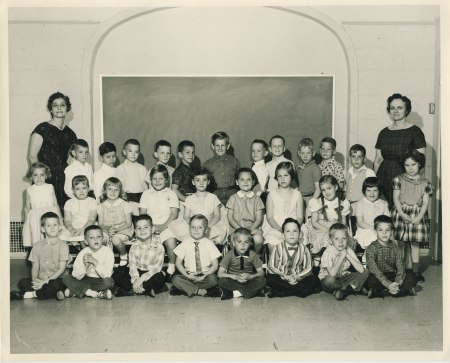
column 411, row 198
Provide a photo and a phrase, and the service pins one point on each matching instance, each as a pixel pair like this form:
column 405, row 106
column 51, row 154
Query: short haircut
column 382, row 219
column 242, row 231
column 277, row 137
column 92, row 227
column 159, row 168
column 306, row 142
column 371, row 182
column 290, row 220
column 106, row 147
column 415, row 155
column 183, row 144
column 329, row 140
column 162, row 143
column 337, row 227
column 80, row 179
column 81, row 143
column 398, row 96
column 262, row 142
column 357, row 147
column 142, row 217
column 56, row 96
column 199, row 217
column 220, row 135
column 116, row 182
column 289, row 168
column 49, row 215
column 246, row 170
column 131, row 142
column 38, row 165
column 201, row 171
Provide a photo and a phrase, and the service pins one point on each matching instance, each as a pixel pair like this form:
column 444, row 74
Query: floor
column 179, row 324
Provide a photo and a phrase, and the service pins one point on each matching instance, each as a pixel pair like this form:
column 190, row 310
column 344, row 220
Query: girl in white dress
column 40, row 198
column 282, row 202
column 366, row 209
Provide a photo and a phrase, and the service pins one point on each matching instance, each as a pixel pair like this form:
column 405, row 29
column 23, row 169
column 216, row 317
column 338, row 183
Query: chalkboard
column 193, row 108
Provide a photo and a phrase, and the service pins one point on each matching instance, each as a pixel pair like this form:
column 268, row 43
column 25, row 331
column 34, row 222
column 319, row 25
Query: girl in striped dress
column 411, row 198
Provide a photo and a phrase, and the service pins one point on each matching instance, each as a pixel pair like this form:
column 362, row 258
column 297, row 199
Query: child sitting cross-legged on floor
column 143, row 276
column 197, row 262
column 49, row 258
column 240, row 271
column 92, row 269
column 334, row 274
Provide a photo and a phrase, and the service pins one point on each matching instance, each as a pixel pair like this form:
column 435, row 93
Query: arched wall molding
column 95, row 42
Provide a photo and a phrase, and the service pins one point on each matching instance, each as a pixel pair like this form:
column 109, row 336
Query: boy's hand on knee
column 200, row 278
column 393, row 288
column 37, row 284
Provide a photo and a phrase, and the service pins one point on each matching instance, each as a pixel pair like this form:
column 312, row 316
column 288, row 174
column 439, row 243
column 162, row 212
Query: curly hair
column 116, row 182
column 38, row 165
column 56, row 96
column 398, row 96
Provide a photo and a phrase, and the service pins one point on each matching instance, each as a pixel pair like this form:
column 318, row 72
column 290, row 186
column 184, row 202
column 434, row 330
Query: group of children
column 309, row 249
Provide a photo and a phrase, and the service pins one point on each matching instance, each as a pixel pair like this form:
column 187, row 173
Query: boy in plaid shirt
column 385, row 263
column 143, row 275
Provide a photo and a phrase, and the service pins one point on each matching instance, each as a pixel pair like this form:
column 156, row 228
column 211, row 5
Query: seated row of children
column 239, row 274
column 173, row 199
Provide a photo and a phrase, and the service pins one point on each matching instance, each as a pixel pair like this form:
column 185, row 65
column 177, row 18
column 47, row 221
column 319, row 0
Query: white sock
column 91, row 293
column 236, row 293
column 30, row 295
column 123, row 260
column 171, row 268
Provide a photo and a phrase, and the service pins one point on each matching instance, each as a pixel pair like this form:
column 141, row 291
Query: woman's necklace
column 54, row 124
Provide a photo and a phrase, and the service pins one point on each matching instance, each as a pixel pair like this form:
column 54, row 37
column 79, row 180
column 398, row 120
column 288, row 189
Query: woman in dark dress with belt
column 50, row 143
column 393, row 141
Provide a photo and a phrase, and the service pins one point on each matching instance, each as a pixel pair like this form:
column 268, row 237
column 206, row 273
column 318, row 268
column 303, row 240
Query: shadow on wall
column 415, row 119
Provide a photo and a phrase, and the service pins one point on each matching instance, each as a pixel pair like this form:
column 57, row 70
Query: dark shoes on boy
column 214, row 292
column 373, row 294
column 15, row 295
column 420, row 277
column 226, row 294
column 175, row 291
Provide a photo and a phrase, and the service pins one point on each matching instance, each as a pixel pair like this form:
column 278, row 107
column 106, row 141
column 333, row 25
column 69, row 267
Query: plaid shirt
column 381, row 259
column 145, row 257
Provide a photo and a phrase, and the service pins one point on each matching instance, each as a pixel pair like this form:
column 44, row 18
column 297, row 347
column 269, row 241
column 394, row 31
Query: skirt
column 32, row 227
column 408, row 232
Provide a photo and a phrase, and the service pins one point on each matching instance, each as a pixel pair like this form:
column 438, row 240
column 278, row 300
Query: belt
column 307, row 195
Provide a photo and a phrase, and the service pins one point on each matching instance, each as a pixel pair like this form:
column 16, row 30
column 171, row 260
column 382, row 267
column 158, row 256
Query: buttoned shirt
column 333, row 167
column 245, row 207
column 158, row 204
column 224, row 170
column 145, row 256
column 49, row 255
column 281, row 262
column 262, row 174
column 186, row 252
column 100, row 176
column 235, row 263
column 132, row 176
column 329, row 258
column 308, row 175
column 354, row 181
column 381, row 259
column 104, row 269
column 74, row 169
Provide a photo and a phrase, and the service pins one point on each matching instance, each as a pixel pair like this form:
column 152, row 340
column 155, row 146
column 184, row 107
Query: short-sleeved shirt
column 182, row 176
column 354, row 180
column 158, row 204
column 202, row 205
column 74, row 169
column 412, row 191
column 49, row 255
column 308, row 175
column 186, row 252
column 329, row 257
column 315, row 205
column 369, row 210
column 145, row 257
column 271, row 168
column 132, row 176
column 244, row 207
column 79, row 210
column 261, row 173
column 333, row 167
column 236, row 263
column 224, row 170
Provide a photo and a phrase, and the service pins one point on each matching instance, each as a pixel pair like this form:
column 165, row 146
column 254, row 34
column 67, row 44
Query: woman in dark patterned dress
column 393, row 141
column 50, row 143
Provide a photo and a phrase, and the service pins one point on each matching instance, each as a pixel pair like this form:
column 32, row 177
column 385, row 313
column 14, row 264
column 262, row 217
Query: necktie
column 198, row 264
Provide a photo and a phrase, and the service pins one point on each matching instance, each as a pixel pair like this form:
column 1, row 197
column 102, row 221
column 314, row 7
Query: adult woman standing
column 50, row 143
column 393, row 141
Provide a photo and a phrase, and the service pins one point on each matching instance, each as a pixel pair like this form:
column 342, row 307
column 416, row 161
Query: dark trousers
column 357, row 279
column 224, row 194
column 79, row 287
column 190, row 287
column 249, row 289
column 121, row 277
column 303, row 288
column 376, row 285
column 47, row 291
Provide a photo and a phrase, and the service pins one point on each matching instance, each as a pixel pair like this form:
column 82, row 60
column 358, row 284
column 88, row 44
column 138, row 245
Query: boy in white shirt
column 277, row 147
column 79, row 166
column 163, row 153
column 260, row 150
column 107, row 155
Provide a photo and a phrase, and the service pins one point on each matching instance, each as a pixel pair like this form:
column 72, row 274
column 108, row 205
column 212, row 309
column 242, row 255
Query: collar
column 117, row 202
column 330, row 160
column 241, row 194
column 78, row 163
column 352, row 170
column 168, row 167
column 260, row 162
column 378, row 201
column 238, row 255
column 390, row 244
column 52, row 243
column 165, row 190
column 147, row 245
column 304, row 166
column 107, row 166
column 225, row 157
column 129, row 163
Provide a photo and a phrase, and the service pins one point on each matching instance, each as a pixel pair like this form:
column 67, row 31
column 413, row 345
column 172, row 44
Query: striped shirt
column 145, row 257
column 282, row 263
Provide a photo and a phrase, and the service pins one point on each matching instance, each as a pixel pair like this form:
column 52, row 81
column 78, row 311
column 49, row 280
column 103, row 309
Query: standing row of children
column 319, row 186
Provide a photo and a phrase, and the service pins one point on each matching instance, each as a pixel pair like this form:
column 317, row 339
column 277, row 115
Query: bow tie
column 293, row 248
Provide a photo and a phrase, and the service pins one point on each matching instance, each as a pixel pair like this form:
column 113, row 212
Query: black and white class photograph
column 245, row 182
